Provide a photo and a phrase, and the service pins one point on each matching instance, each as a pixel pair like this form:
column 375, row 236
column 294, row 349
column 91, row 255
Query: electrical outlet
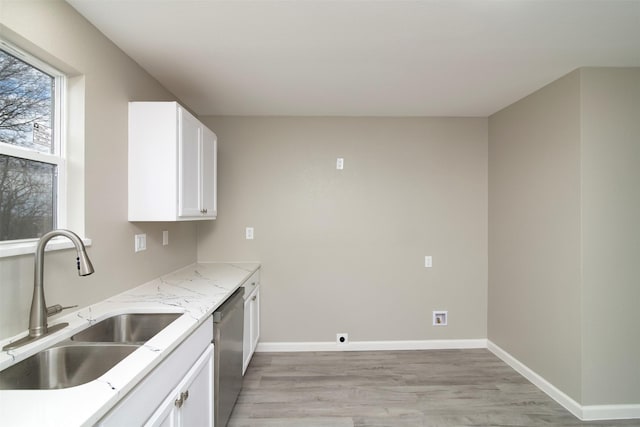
column 248, row 233
column 440, row 318
column 342, row 339
column 428, row 261
column 165, row 238
column 140, row 241
column 340, row 163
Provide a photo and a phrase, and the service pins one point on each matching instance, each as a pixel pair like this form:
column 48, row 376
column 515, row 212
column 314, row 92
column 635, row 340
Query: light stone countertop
column 196, row 290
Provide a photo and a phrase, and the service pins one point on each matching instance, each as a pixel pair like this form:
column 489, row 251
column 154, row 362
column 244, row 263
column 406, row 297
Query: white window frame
column 26, row 246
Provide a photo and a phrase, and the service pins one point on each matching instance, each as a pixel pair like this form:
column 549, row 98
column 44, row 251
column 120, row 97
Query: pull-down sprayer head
column 85, row 267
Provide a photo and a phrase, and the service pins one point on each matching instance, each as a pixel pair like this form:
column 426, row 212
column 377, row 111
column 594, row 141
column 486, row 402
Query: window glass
column 27, row 198
column 26, row 105
column 29, row 161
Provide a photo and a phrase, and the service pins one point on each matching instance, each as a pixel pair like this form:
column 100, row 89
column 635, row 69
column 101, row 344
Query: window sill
column 27, row 247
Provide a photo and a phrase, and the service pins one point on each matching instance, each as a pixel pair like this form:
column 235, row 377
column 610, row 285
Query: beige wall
column 343, row 251
column 51, row 28
column 563, row 234
column 610, row 101
column 534, row 232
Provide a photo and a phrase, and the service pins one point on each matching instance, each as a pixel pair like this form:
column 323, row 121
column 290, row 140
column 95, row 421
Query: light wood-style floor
column 394, row 388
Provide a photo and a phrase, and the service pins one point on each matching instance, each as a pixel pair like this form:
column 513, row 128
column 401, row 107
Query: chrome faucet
column 38, row 327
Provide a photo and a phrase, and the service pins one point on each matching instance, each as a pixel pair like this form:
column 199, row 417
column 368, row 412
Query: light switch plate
column 248, row 233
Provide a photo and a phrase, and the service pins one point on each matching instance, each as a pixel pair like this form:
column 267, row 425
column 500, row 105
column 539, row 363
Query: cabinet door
column 246, row 335
column 191, row 402
column 255, row 320
column 251, row 327
column 197, row 408
column 189, row 165
column 209, row 173
column 165, row 416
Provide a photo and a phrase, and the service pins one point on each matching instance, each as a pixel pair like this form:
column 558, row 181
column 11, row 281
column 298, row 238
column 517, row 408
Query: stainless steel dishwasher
column 228, row 327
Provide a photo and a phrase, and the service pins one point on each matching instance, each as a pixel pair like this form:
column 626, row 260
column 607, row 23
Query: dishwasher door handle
column 217, row 317
column 226, row 310
column 222, row 316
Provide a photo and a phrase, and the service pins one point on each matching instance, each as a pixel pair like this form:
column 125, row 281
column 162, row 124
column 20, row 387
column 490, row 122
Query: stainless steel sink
column 127, row 328
column 87, row 355
column 63, row 366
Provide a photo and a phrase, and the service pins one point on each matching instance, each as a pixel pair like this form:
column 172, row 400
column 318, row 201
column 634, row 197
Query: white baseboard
column 610, row 412
column 552, row 391
column 584, row 413
column 269, row 347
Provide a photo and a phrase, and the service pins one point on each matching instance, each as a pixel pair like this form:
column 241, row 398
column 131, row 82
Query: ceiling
column 365, row 58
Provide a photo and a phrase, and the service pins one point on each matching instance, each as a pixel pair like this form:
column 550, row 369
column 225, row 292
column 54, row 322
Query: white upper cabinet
column 172, row 164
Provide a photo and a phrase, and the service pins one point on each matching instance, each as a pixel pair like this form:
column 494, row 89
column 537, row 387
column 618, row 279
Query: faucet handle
column 57, row 308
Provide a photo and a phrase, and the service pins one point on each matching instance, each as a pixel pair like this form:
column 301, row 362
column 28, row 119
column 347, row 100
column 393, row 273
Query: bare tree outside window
column 27, row 187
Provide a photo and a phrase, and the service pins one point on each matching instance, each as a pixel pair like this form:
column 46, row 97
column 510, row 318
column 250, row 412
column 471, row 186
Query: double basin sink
column 87, row 355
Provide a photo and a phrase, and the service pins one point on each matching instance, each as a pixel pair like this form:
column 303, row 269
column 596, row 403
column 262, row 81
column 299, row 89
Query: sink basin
column 88, row 355
column 127, row 328
column 63, row 366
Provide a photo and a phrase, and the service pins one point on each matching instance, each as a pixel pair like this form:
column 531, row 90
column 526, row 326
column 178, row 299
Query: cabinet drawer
column 251, row 284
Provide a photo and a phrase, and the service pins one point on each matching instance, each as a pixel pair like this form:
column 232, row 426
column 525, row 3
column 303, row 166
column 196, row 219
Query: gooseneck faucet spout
column 38, row 315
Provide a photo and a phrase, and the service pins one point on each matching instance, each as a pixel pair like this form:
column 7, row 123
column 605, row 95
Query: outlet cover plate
column 140, row 241
column 342, row 339
column 428, row 261
column 440, row 318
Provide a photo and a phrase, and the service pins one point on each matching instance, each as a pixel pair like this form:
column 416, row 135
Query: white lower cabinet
column 251, row 319
column 190, row 404
column 189, row 368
